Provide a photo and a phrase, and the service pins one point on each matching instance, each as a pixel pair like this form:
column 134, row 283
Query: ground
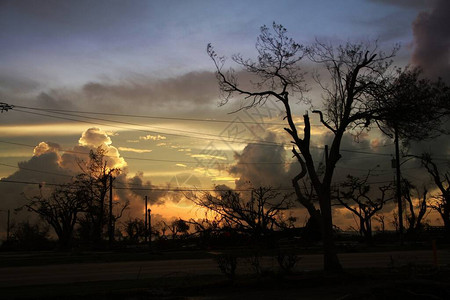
column 410, row 274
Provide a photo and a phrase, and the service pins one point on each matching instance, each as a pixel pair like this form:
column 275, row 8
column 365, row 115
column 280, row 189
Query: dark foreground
column 380, row 275
column 403, row 283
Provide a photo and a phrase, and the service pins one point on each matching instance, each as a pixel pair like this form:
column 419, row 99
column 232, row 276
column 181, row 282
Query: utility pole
column 149, row 228
column 145, row 221
column 7, row 226
column 398, row 186
column 110, row 227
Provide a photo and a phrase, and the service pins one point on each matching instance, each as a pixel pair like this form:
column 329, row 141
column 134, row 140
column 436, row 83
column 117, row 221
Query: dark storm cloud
column 11, row 84
column 141, row 188
column 260, row 174
column 13, row 193
column 195, row 88
column 193, row 92
column 432, row 40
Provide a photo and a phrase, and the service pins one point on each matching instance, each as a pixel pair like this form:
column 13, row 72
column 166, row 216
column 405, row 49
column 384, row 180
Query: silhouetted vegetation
column 355, row 195
column 256, row 216
column 361, row 89
column 442, row 181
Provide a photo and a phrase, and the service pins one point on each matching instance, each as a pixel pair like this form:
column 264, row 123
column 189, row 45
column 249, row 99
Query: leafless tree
column 381, row 219
column 95, row 181
column 256, row 216
column 415, row 213
column 442, row 181
column 355, row 195
column 356, row 71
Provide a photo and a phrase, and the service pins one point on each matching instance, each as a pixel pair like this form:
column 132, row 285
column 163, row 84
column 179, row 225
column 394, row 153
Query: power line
column 156, row 117
column 37, row 171
column 216, row 137
column 144, row 159
column 202, row 134
column 179, row 189
column 167, row 189
column 197, row 135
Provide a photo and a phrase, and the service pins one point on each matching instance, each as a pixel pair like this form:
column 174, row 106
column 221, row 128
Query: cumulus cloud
column 138, row 188
column 46, row 147
column 52, row 164
column 94, row 137
column 432, row 40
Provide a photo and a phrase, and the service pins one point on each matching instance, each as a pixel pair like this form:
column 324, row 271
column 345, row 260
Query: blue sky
column 68, row 43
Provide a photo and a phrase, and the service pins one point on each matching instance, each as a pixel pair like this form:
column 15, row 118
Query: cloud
column 43, row 167
column 127, row 149
column 52, row 164
column 263, row 165
column 188, row 91
column 432, row 40
column 138, row 189
column 46, row 147
column 152, row 137
column 94, row 137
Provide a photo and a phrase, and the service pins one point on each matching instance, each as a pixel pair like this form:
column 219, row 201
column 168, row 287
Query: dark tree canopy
column 413, row 105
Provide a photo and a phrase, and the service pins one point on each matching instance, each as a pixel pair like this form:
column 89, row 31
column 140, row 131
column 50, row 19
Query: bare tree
column 355, row 195
column 256, row 216
column 442, row 181
column 95, row 180
column 415, row 213
column 356, row 71
column 381, row 219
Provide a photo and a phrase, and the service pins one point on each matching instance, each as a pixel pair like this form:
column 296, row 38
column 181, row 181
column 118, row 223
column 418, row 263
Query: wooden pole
column 145, row 221
column 110, row 227
column 399, row 189
column 8, row 226
column 149, row 228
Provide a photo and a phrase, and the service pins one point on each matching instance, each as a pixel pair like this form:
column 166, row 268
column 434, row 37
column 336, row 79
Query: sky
column 142, row 67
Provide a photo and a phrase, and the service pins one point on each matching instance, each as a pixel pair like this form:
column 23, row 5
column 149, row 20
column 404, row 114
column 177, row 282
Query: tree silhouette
column 95, row 181
column 356, row 71
column 415, row 214
column 355, row 195
column 256, row 216
column 442, row 182
column 60, row 210
column 410, row 108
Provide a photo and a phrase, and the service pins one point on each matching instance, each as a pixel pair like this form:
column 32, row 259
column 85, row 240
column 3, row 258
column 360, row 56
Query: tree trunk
column 330, row 259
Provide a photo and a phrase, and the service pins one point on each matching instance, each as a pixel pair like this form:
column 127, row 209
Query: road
column 69, row 273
